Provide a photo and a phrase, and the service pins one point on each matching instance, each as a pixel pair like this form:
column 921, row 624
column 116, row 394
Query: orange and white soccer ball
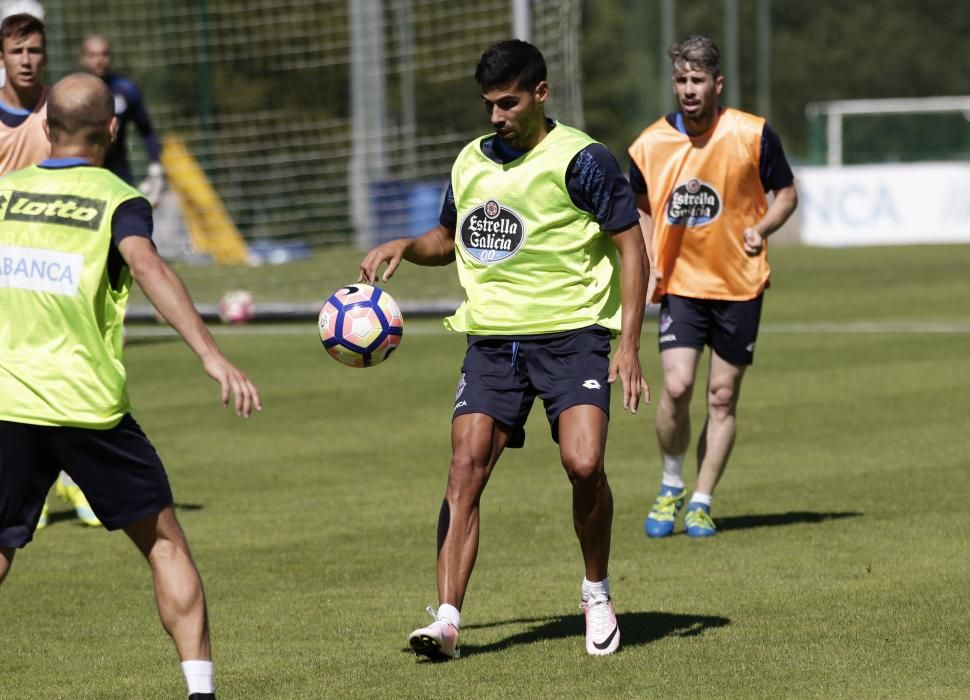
column 361, row 325
column 236, row 306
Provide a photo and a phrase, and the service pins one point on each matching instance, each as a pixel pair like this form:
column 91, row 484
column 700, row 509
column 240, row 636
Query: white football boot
column 437, row 641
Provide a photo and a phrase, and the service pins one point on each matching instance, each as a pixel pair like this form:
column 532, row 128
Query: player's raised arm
column 434, row 247
column 168, row 294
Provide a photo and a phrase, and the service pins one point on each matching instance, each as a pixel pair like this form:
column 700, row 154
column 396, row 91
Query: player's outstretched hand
column 153, row 184
column 753, row 241
column 233, row 382
column 625, row 364
column 391, row 253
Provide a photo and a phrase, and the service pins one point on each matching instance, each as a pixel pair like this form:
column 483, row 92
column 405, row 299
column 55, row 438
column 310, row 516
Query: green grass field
column 840, row 571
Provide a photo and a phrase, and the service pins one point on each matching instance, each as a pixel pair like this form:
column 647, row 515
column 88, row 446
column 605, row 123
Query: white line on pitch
column 871, row 327
column 900, row 327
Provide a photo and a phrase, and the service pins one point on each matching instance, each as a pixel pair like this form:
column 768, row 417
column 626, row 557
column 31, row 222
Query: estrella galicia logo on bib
column 491, row 232
column 693, row 203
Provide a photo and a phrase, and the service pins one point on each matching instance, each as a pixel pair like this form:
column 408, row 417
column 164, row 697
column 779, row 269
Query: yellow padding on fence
column 210, row 227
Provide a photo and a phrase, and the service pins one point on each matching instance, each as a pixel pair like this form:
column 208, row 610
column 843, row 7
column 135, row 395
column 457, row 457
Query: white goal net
column 262, row 94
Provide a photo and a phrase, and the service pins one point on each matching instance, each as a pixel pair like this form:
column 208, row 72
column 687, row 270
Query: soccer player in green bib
column 73, row 236
column 537, row 217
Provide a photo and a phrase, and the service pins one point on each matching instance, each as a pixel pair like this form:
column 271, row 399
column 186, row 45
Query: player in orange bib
column 23, row 97
column 702, row 174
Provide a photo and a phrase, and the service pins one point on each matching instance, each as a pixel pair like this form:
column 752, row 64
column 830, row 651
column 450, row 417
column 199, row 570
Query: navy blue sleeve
column 139, row 115
column 131, row 218
column 637, row 181
column 449, row 212
column 775, row 171
column 596, row 185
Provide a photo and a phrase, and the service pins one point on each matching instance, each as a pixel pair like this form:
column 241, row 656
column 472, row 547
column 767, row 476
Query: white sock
column 198, row 676
column 704, row 498
column 600, row 587
column 673, row 471
column 450, row 614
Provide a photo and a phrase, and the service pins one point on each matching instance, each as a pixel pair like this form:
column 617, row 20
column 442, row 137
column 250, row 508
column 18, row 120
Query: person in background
column 702, row 174
column 23, row 97
column 129, row 107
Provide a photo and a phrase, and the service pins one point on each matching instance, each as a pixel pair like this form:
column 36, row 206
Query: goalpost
column 919, row 128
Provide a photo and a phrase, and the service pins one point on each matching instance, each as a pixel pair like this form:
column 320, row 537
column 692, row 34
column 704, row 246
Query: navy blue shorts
column 501, row 377
column 729, row 327
column 117, row 469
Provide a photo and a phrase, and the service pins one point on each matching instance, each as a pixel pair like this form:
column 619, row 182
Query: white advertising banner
column 892, row 204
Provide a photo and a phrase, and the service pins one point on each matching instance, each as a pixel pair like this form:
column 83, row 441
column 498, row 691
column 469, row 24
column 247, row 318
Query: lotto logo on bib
column 491, row 233
column 693, row 203
column 67, row 210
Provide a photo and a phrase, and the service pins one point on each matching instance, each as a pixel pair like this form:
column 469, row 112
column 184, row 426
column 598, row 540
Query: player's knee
column 721, row 401
column 167, row 551
column 678, row 387
column 467, row 476
column 583, row 467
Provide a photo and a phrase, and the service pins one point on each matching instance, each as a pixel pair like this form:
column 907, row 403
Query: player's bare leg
column 477, row 441
column 582, row 445
column 178, row 586
column 715, row 443
column 673, row 409
column 720, row 428
column 673, row 435
column 6, row 559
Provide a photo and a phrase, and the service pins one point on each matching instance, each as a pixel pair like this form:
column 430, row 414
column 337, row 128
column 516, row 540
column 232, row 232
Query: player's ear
column 47, row 131
column 113, row 127
column 541, row 92
column 719, row 84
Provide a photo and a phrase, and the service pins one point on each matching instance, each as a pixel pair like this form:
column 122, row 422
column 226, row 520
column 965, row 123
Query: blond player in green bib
column 538, row 217
column 73, row 236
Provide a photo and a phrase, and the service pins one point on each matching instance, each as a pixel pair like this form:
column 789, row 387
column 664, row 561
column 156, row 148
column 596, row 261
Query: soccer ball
column 360, row 325
column 236, row 306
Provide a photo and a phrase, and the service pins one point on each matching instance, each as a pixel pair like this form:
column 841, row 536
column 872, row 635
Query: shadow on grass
column 60, row 516
column 742, row 522
column 636, row 629
column 56, row 517
column 133, row 340
column 189, row 506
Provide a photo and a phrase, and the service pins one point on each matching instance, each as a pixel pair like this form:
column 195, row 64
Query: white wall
column 884, row 204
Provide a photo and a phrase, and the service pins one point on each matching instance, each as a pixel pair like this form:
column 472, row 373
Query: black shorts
column 117, row 469
column 729, row 327
column 501, row 377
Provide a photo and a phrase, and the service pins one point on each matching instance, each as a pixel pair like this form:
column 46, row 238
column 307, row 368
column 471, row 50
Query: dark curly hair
column 512, row 62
